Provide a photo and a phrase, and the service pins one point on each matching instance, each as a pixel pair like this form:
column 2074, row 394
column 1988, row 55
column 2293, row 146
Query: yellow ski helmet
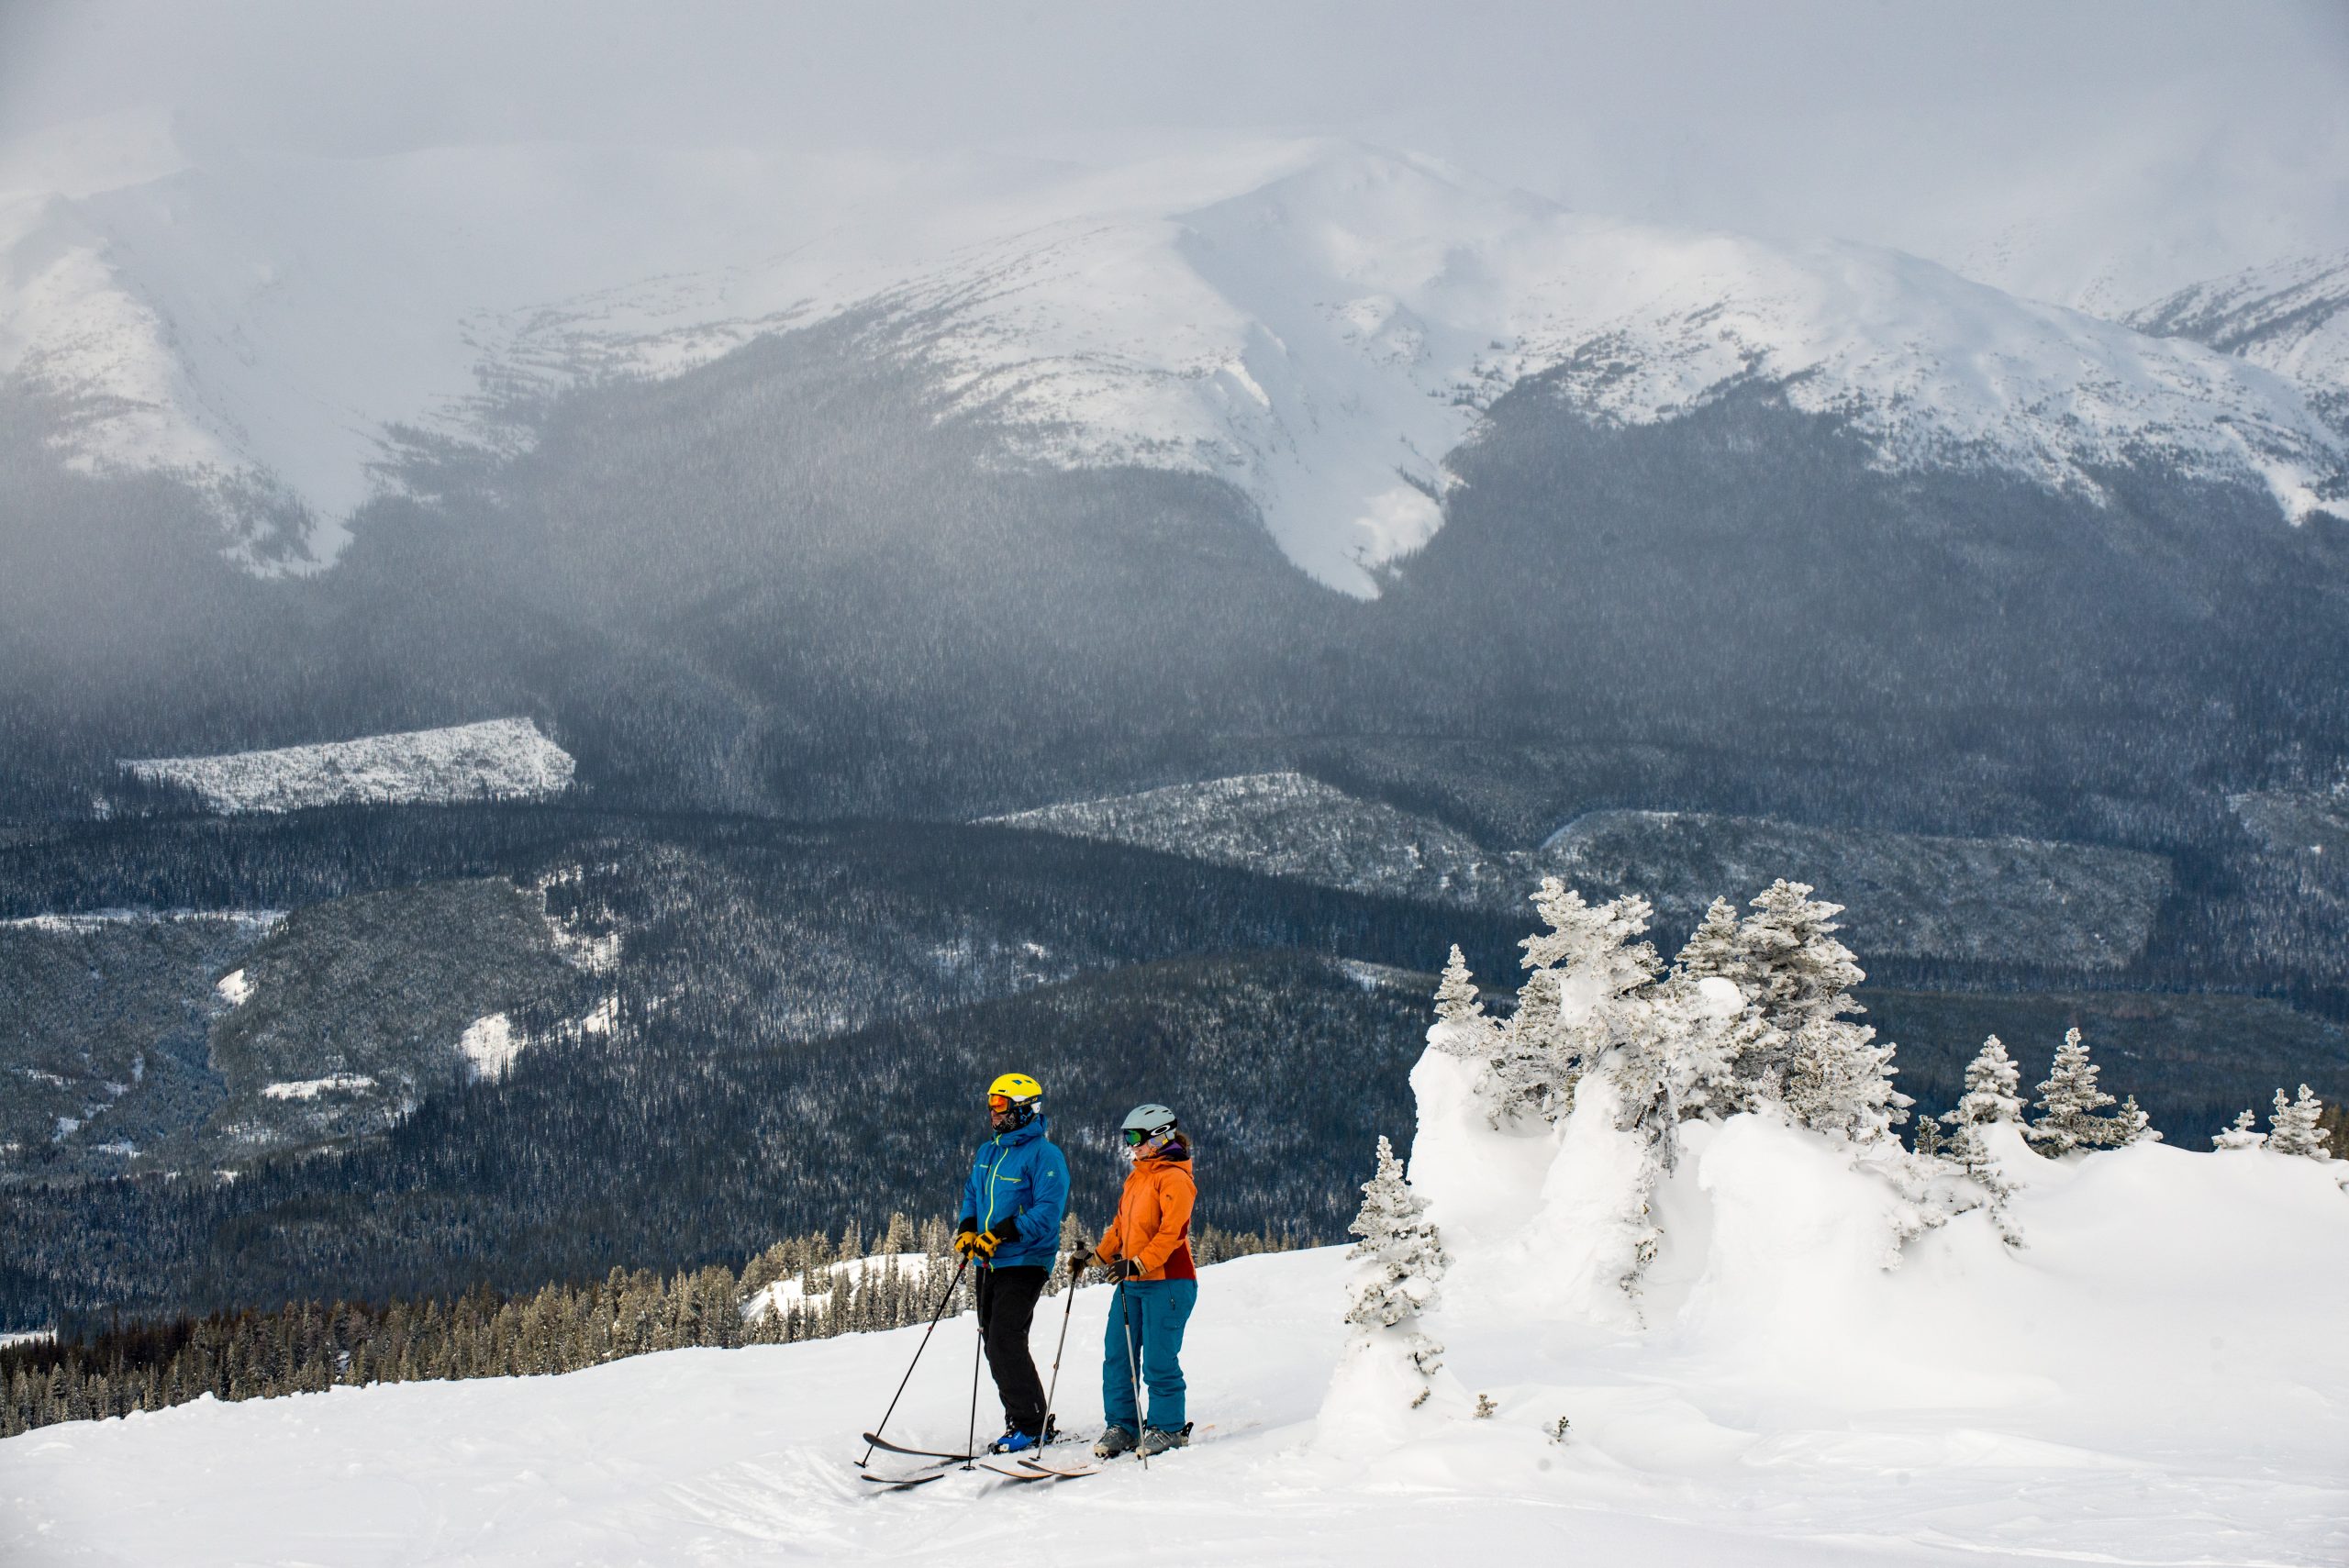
column 1015, row 1087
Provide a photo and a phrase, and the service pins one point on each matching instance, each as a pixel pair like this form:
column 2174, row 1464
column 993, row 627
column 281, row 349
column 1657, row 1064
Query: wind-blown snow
column 504, row 758
column 1317, row 323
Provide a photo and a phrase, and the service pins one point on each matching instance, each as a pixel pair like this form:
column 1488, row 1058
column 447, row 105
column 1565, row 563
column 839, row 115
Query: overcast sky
column 2202, row 129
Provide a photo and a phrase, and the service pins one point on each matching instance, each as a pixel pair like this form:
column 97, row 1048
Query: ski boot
column 1015, row 1441
column 1114, row 1442
column 1156, row 1441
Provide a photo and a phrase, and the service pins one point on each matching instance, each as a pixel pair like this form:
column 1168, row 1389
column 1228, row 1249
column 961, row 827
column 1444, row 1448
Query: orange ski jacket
column 1153, row 1223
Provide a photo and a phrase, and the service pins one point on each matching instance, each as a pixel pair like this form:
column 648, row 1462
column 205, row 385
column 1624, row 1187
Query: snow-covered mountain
column 1317, row 323
column 2291, row 317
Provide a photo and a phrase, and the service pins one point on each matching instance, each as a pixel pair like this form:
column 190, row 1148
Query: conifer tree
column 2134, row 1124
column 1828, row 1071
column 1461, row 1028
column 2295, row 1127
column 1402, row 1260
column 1991, row 1080
column 1581, row 996
column 1712, row 950
column 2068, row 1102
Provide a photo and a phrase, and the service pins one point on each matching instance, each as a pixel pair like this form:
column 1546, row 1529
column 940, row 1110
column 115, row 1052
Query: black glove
column 1078, row 1262
column 1124, row 1268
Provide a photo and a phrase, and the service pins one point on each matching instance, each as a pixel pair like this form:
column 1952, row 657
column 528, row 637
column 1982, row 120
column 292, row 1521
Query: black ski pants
column 1006, row 1306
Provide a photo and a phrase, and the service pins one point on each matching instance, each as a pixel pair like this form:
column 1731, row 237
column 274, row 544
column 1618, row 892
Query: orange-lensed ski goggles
column 999, row 1102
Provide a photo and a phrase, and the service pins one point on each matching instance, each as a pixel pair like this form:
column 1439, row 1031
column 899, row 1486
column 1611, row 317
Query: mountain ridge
column 1319, row 324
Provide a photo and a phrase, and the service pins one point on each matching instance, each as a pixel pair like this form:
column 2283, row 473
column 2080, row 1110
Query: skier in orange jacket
column 1148, row 1248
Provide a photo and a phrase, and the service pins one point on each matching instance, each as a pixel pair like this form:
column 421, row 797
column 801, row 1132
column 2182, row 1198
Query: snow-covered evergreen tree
column 1928, row 1139
column 2295, row 1127
column 1840, row 1081
column 1826, row 1070
column 1679, row 1064
column 2068, row 1102
column 1788, row 959
column 2244, row 1134
column 1991, row 1080
column 1402, row 1257
column 2134, row 1124
column 1713, row 950
column 1581, row 996
column 1461, row 1028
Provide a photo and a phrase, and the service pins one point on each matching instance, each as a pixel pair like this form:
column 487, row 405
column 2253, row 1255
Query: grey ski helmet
column 1147, row 1123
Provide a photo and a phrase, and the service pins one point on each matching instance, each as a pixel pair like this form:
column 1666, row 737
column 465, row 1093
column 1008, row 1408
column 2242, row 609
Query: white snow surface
column 1317, row 322
column 311, row 1088
column 2155, row 1378
column 252, row 922
column 780, row 1296
column 504, row 759
column 489, row 1046
column 2292, row 318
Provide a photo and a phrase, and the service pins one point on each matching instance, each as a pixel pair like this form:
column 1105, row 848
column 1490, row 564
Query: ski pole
column 926, row 1333
column 970, row 1443
column 1068, row 1309
column 1133, row 1361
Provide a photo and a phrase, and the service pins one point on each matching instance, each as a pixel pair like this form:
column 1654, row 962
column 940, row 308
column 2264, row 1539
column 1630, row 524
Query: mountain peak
column 1317, row 322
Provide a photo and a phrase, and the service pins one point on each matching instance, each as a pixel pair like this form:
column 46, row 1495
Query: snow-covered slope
column 502, row 759
column 1316, row 323
column 2292, row 318
column 2155, row 1380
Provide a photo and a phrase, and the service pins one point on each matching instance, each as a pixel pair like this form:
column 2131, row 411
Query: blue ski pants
column 1156, row 1310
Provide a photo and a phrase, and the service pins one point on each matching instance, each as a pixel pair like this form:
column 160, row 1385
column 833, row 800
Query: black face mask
column 1011, row 1118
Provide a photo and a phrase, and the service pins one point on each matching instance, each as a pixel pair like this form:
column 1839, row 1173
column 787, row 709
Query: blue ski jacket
column 1018, row 1183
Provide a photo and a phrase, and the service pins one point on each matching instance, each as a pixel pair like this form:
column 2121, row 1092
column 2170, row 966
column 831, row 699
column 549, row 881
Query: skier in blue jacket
column 1009, row 1225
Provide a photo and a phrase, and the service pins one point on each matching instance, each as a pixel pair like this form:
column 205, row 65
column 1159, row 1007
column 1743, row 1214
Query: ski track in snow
column 747, row 1456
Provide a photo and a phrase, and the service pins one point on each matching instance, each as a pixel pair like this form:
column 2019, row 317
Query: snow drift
column 1752, row 1285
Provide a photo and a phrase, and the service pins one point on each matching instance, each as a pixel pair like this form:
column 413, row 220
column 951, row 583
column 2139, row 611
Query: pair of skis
column 1029, row 1469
